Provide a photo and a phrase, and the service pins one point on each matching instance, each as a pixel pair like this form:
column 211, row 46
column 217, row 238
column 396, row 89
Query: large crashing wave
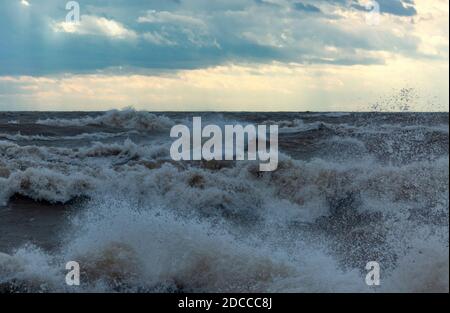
column 151, row 224
column 123, row 248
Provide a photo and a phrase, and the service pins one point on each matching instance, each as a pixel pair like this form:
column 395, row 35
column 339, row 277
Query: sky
column 225, row 55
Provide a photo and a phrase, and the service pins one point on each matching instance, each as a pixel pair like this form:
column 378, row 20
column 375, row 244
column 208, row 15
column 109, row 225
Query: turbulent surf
column 101, row 189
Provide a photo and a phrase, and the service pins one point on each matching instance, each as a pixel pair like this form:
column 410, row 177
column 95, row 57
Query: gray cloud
column 186, row 34
column 395, row 7
column 306, row 7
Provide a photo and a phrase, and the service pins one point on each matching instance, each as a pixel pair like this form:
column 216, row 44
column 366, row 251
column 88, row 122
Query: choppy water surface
column 101, row 189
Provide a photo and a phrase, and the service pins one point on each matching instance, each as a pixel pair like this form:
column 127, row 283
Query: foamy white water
column 349, row 189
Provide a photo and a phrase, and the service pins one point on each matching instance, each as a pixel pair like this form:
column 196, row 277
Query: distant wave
column 128, row 119
column 84, row 136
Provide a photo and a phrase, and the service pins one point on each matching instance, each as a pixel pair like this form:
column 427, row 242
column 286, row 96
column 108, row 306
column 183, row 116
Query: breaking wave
column 128, row 119
column 146, row 223
column 85, row 136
